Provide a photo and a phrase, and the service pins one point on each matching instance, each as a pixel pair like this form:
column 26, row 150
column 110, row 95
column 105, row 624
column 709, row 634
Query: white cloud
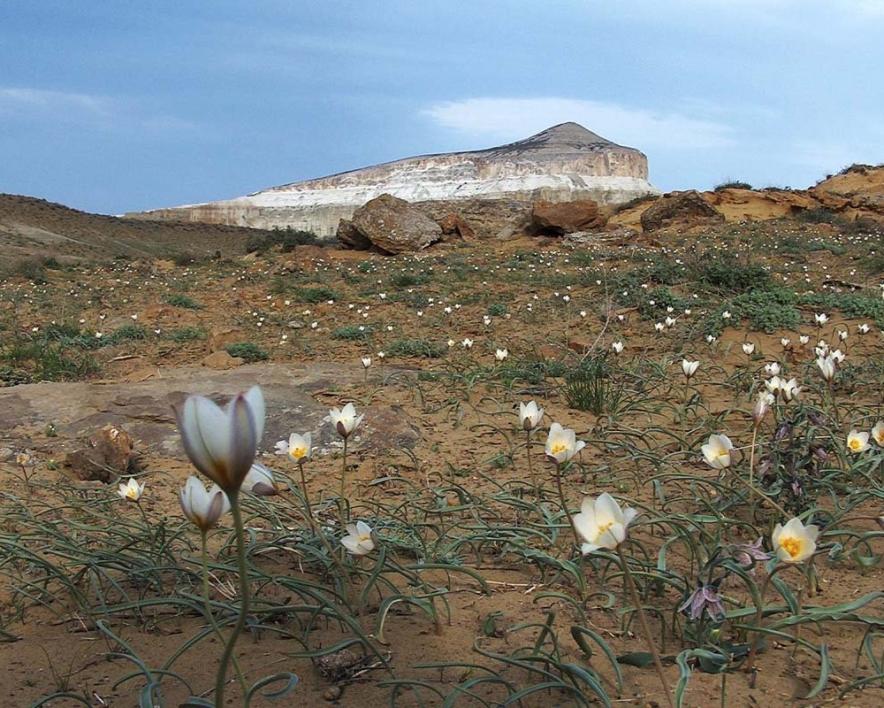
column 87, row 110
column 514, row 118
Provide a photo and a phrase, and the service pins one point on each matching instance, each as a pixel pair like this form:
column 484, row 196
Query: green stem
column 752, row 469
column 565, row 505
column 344, row 516
column 210, row 617
column 307, row 506
column 649, row 638
column 531, row 464
column 244, row 597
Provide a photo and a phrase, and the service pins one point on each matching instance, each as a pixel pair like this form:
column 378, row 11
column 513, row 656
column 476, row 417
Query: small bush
column 416, row 348
column 30, row 269
column 352, row 333
column 820, row 215
column 286, row 239
column 733, row 277
column 126, row 333
column 186, row 334
column 732, row 184
column 409, row 280
column 247, row 351
column 179, row 300
column 497, row 309
column 316, row 295
column 588, row 387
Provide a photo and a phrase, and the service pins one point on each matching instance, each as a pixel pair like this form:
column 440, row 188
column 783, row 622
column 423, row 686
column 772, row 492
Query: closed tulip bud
column 826, row 366
column 794, row 542
column 366, row 362
column 259, row 481
column 762, row 405
column 222, row 442
column 748, row 348
column 202, row 508
column 689, row 368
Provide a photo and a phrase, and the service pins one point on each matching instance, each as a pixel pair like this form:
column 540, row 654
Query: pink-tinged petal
column 212, row 423
column 629, row 515
column 244, row 441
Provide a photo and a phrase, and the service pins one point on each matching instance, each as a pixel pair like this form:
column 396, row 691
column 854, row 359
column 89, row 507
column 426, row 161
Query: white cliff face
column 559, row 164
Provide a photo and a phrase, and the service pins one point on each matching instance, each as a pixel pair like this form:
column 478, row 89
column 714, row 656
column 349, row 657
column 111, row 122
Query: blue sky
column 131, row 104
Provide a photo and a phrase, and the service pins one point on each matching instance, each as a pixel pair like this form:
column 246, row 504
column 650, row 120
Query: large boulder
column 454, row 226
column 351, row 237
column 682, row 210
column 566, row 217
column 395, row 226
column 487, row 218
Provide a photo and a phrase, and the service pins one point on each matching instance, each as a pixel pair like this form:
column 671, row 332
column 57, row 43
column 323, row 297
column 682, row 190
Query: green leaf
column 640, row 659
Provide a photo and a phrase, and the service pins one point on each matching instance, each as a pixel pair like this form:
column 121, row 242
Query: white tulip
column 748, row 348
column 857, row 442
column 794, row 542
column 202, row 508
column 601, row 523
column 359, row 540
column 501, row 354
column 131, row 491
column 717, row 451
column 530, row 415
column 878, row 433
column 562, row 444
column 345, row 420
column 617, row 346
column 689, row 367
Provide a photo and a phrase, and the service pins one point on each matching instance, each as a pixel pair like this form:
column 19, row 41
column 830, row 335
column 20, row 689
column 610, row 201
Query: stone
column 682, row 210
column 395, row 226
column 562, row 163
column 560, row 218
column 222, row 361
column 351, row 237
column 145, row 408
column 106, row 455
column 455, row 226
column 486, row 217
column 581, row 345
column 296, row 324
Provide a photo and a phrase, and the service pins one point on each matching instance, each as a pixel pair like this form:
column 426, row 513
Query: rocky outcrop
column 352, row 238
column 395, row 226
column 454, row 226
column 682, row 210
column 566, row 217
column 563, row 163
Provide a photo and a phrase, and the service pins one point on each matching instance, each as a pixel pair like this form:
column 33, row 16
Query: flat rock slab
column 143, row 408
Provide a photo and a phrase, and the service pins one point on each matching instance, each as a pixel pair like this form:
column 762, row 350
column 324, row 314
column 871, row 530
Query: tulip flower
column 259, row 481
column 467, row 343
column 501, row 354
column 786, row 342
column 746, row 554
column 617, row 347
column 772, row 369
column 530, row 415
column 298, row 447
column 711, row 339
column 857, row 442
column 863, row 328
column 794, row 542
column 345, row 420
column 562, row 444
column 878, row 433
column 202, row 508
column 659, row 326
column 717, row 451
column 748, row 348
column 601, row 523
column 762, row 404
column 803, row 338
column 366, row 362
column 826, row 365
column 789, row 389
column 359, row 540
column 820, row 319
column 689, row 367
column 131, row 491
column 222, row 442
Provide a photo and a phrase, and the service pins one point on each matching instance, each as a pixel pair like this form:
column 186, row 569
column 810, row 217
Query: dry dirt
column 444, row 424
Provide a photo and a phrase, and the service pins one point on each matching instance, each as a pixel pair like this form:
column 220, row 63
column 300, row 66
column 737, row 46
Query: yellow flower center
column 557, row 447
column 722, row 453
column 792, row 546
column 854, row 443
column 298, row 452
column 604, row 527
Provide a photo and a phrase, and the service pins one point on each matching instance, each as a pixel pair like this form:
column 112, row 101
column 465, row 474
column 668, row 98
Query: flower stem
column 343, row 477
column 565, row 505
column 752, row 468
column 207, row 603
column 756, row 490
column 531, row 464
column 649, row 638
column 244, row 597
column 307, row 506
